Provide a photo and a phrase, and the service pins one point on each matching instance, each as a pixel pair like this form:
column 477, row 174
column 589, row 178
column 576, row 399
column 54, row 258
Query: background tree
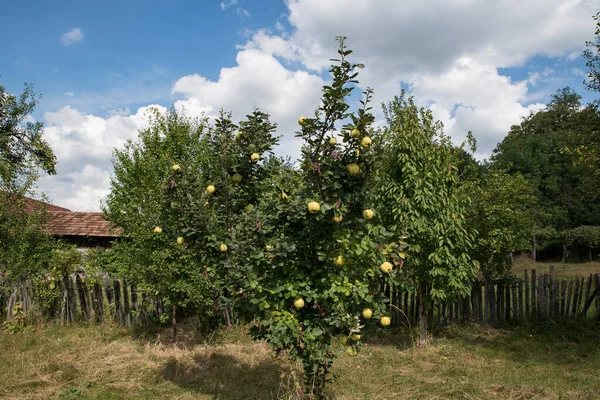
column 25, row 249
column 309, row 257
column 539, row 149
column 501, row 214
column 141, row 205
column 418, row 195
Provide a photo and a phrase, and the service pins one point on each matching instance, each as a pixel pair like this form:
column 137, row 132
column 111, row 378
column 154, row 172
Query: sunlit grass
column 542, row 361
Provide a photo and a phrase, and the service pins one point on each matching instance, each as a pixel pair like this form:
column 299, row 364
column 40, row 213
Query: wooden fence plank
column 515, row 300
column 126, row 308
column 134, row 305
column 542, row 300
column 569, row 298
column 563, row 296
column 526, row 283
column 575, row 298
column 588, row 288
column 534, row 282
column 597, row 284
column 85, row 310
column 98, row 302
column 117, row 298
column 551, row 296
column 520, row 294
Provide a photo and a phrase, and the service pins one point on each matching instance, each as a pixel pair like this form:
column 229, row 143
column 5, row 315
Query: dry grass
column 472, row 362
column 562, row 271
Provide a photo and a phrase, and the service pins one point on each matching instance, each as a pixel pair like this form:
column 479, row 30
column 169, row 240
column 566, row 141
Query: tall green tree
column 418, row 195
column 540, row 149
column 304, row 241
column 141, row 205
column 25, row 249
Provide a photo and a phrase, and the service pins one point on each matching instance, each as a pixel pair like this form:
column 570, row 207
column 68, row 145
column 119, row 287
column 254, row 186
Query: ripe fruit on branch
column 210, row 189
column 255, row 157
column 314, row 207
column 269, row 248
column 365, row 142
column 353, row 169
column 333, row 141
column 344, row 340
column 355, row 337
column 337, row 219
column 339, row 261
column 355, row 133
column 367, row 313
column 180, row 240
column 299, row 303
column 368, row 214
column 175, row 167
column 236, row 178
column 223, row 247
column 302, row 121
column 157, row 229
column 386, row 267
column 385, row 321
column 350, row 351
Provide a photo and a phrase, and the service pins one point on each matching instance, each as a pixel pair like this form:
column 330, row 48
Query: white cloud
column 83, row 146
column 258, row 80
column 577, row 72
column 73, row 36
column 226, row 4
column 70, row 94
column 448, row 53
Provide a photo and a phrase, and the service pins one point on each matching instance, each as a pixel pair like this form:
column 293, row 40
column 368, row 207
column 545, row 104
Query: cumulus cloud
column 258, row 81
column 73, row 36
column 83, row 145
column 448, row 54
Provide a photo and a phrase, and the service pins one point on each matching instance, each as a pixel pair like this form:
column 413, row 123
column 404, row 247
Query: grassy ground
column 464, row 362
column 562, row 271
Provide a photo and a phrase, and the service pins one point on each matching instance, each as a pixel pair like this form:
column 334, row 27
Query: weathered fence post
column 534, row 282
column 134, row 305
column 551, row 291
column 563, row 295
column 542, row 299
column 98, row 302
column 597, row 284
column 117, row 294
column 126, row 309
column 527, row 298
column 85, row 311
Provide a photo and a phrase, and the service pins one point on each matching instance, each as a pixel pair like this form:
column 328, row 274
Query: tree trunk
column 422, row 319
column 565, row 254
column 512, row 257
column 590, row 254
column 174, row 323
column 534, row 249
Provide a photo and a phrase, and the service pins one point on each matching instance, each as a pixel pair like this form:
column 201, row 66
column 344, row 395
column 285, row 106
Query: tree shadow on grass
column 229, row 377
column 560, row 342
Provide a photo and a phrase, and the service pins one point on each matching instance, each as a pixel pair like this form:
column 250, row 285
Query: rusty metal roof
column 80, row 224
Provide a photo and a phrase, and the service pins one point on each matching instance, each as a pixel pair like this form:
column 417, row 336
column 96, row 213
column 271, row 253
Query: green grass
column 562, row 271
column 545, row 361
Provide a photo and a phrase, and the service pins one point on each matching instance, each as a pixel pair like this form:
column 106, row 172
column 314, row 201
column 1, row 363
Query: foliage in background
column 141, row 206
column 543, row 149
column 25, row 248
column 501, row 214
column 418, row 196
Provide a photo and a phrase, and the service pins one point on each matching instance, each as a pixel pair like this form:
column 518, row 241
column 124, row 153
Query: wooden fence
column 492, row 301
column 79, row 301
column 497, row 301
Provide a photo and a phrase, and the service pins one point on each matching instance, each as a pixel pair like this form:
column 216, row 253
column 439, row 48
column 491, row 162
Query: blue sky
column 137, row 47
column 480, row 65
